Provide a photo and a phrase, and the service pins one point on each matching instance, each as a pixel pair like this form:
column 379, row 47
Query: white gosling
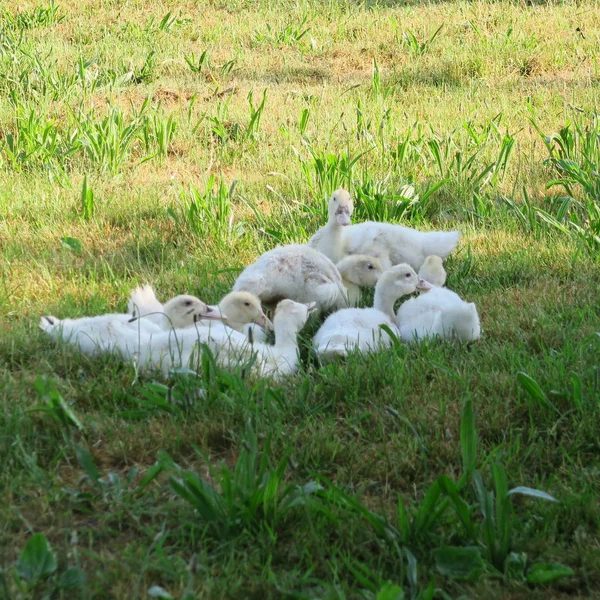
column 181, row 311
column 120, row 333
column 295, row 272
column 359, row 271
column 329, row 239
column 438, row 311
column 239, row 310
column 433, row 271
column 360, row 328
column 393, row 244
column 231, row 348
column 242, row 312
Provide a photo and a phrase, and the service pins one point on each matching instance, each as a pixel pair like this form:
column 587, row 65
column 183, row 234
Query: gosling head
column 401, row 280
column 340, row 207
column 432, row 270
column 293, row 315
column 183, row 311
column 361, row 269
column 241, row 308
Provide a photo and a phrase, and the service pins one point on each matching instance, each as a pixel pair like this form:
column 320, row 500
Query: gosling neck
column 333, row 222
column 286, row 334
column 352, row 291
column 384, row 300
column 237, row 325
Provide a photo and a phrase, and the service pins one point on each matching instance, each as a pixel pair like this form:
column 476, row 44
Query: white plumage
column 438, row 311
column 395, row 244
column 358, row 271
column 360, row 328
column 329, row 240
column 392, row 244
column 296, row 272
column 180, row 348
column 124, row 333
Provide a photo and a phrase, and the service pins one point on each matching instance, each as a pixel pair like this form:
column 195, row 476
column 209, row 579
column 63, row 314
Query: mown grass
column 172, row 143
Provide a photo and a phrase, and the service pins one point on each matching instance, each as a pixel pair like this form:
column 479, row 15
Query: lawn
column 172, row 143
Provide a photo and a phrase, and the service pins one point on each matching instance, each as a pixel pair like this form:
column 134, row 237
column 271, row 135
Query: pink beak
column 423, row 285
column 343, row 215
column 264, row 322
column 211, row 313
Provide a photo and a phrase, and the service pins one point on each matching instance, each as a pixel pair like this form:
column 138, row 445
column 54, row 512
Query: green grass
column 172, row 143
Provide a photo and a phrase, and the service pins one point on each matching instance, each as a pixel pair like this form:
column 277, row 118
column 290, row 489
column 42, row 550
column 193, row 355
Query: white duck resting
column 360, row 328
column 393, row 244
column 124, row 335
column 229, row 347
column 358, row 271
column 329, row 239
column 437, row 311
column 110, row 332
column 238, row 310
column 296, row 272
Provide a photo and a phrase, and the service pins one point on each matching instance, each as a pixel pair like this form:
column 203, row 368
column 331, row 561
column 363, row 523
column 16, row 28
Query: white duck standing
column 329, row 239
column 296, row 272
column 360, row 328
column 230, row 347
column 393, row 244
column 438, row 311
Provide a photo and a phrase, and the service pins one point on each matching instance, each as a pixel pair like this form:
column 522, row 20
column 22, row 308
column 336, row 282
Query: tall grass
column 140, row 144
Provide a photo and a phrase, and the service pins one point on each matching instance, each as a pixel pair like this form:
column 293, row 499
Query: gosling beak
column 342, row 214
column 264, row 322
column 211, row 313
column 423, row 285
column 312, row 307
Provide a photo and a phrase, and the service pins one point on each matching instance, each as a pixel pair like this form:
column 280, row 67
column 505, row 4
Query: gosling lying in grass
column 296, row 272
column 169, row 350
column 123, row 333
column 438, row 311
column 238, row 310
column 360, row 328
column 358, row 271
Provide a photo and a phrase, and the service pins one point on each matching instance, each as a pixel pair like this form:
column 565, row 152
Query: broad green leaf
column 514, row 566
column 427, row 515
column 527, row 491
column 486, row 505
column 547, row 572
column 72, row 578
column 390, row 591
column 462, row 510
column 403, row 521
column 534, row 391
column 502, row 509
column 458, row 563
column 36, row 560
column 411, row 572
column 84, row 458
column 71, row 244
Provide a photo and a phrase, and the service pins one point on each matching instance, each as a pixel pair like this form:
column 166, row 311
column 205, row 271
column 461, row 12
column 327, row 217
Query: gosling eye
column 187, row 303
column 370, row 267
column 246, row 303
column 407, row 275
